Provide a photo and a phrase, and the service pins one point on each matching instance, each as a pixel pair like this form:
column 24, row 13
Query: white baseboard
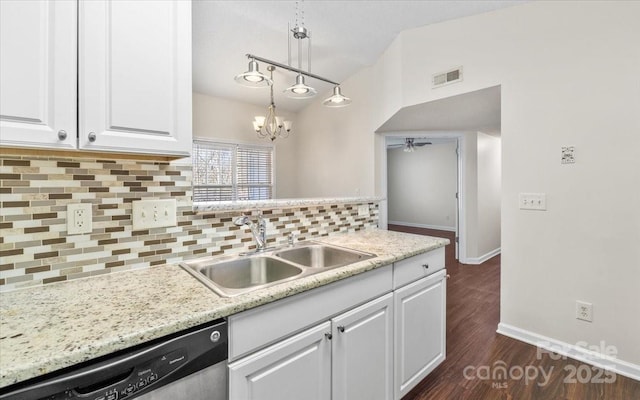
column 426, row 226
column 580, row 353
column 482, row 258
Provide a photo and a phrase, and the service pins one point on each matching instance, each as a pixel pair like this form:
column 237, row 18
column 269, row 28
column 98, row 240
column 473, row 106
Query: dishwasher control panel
column 123, row 386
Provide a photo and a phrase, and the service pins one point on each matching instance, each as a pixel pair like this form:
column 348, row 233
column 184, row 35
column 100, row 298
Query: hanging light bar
column 292, row 69
column 300, row 90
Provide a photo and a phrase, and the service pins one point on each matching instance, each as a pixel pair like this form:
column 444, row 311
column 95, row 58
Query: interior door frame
column 383, row 216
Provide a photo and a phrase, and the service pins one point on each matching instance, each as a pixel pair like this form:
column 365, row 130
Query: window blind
column 224, row 172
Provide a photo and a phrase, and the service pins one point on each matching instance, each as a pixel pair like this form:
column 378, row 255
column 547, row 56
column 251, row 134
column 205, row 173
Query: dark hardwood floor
column 475, row 352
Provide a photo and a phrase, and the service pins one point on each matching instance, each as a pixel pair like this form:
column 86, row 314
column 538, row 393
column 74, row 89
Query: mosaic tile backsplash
column 35, row 191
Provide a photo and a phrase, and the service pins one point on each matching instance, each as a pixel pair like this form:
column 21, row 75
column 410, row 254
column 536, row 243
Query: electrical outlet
column 584, row 311
column 79, row 219
column 532, row 201
column 154, row 214
column 363, row 210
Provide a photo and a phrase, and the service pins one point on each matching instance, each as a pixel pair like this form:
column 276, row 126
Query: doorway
column 473, row 120
column 422, row 186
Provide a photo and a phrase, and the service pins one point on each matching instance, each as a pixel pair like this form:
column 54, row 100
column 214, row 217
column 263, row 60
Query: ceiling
column 473, row 111
column 346, row 37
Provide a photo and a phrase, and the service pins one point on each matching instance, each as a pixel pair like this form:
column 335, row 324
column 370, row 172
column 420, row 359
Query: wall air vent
column 447, row 77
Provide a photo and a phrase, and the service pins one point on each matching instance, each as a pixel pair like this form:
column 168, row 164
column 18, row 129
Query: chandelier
column 271, row 126
column 300, row 90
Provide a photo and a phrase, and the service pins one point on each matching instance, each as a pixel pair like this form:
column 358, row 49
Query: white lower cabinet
column 296, row 368
column 362, row 356
column 374, row 336
column 348, row 357
column 420, row 330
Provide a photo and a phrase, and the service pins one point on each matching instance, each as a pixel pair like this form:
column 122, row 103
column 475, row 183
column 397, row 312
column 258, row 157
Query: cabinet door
column 296, row 368
column 362, row 352
column 135, row 76
column 420, row 323
column 38, row 73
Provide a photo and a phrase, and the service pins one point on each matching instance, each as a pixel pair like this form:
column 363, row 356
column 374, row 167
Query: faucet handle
column 291, row 239
column 241, row 220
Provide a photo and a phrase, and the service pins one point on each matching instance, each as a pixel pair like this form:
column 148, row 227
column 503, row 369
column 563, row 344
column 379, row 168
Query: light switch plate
column 568, row 155
column 79, row 218
column 154, row 214
column 532, row 201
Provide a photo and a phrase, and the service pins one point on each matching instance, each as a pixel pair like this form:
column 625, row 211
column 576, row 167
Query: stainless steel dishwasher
column 190, row 365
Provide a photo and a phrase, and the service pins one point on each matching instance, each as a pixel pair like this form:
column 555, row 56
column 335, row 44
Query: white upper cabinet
column 128, row 74
column 38, row 73
column 135, row 76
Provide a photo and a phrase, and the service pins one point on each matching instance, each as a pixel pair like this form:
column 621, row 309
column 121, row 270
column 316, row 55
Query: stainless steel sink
column 231, row 277
column 236, row 275
column 322, row 256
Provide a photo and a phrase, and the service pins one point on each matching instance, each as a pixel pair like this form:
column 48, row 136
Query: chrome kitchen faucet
column 258, row 230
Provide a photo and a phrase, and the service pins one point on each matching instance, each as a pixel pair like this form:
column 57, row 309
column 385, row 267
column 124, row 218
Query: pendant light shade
column 300, row 90
column 337, row 100
column 253, row 77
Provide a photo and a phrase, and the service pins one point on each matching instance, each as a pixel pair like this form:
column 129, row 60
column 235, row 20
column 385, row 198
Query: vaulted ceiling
column 346, row 37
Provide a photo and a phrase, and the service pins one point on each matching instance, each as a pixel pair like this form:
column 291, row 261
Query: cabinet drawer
column 416, row 267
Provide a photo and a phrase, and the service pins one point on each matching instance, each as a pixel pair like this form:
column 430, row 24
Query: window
column 224, row 171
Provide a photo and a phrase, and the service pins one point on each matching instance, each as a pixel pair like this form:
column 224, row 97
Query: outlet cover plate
column 532, row 201
column 149, row 214
column 79, row 218
column 584, row 311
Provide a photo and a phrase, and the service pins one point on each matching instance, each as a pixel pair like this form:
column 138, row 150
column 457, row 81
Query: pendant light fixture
column 300, row 90
column 253, row 78
column 337, row 100
column 271, row 126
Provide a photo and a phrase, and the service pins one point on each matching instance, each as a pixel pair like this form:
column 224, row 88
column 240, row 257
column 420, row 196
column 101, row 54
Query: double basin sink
column 236, row 275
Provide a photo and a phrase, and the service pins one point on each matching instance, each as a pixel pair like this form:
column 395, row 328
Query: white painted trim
column 576, row 352
column 426, row 226
column 482, row 258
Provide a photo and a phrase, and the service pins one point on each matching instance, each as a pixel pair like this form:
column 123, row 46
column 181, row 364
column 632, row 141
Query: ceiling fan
column 409, row 145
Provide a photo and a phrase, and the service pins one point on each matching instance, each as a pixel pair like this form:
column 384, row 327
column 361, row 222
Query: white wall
column 489, row 193
column 228, row 120
column 337, row 147
column 569, row 76
column 422, row 186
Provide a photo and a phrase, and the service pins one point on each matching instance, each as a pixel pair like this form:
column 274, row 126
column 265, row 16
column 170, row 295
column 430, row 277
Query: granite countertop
column 46, row 328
